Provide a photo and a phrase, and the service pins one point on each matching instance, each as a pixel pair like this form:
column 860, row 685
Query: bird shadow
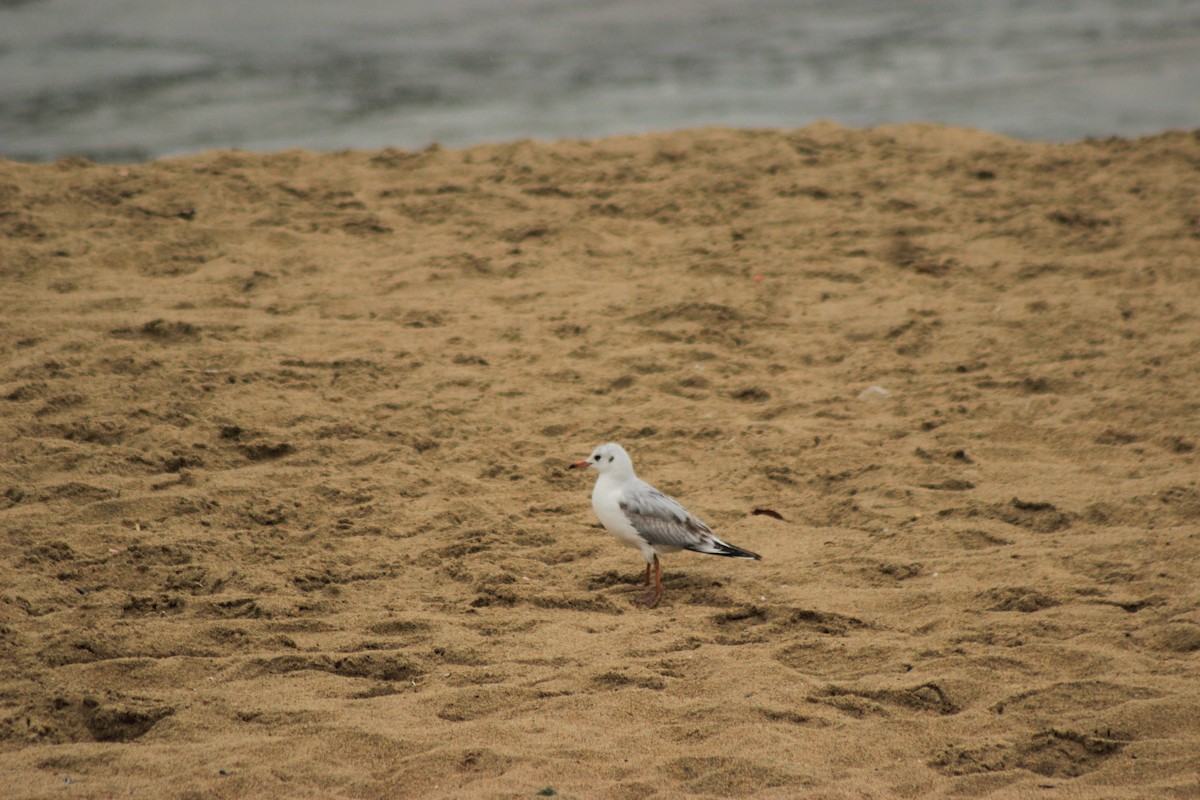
column 678, row 587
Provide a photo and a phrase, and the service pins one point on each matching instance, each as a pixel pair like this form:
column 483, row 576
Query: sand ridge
column 284, row 506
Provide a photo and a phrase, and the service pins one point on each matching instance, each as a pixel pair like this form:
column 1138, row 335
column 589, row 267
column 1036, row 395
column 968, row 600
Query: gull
column 644, row 518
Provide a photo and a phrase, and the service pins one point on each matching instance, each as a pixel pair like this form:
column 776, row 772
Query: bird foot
column 650, row 599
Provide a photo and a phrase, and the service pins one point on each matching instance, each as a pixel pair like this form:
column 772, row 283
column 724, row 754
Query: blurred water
column 136, row 79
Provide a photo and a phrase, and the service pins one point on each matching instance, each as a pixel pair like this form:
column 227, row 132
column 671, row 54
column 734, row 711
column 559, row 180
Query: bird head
column 607, row 458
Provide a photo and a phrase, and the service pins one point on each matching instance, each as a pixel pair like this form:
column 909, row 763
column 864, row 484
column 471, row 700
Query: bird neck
column 619, row 474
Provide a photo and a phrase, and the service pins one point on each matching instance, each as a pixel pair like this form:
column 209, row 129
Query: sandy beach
column 284, row 506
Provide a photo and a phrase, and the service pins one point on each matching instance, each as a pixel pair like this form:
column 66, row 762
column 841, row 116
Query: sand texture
column 284, row 509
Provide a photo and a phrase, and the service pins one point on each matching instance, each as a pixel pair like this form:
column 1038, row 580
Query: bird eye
column 597, row 456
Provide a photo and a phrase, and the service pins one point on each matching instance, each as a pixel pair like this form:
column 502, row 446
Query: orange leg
column 651, row 598
column 645, row 582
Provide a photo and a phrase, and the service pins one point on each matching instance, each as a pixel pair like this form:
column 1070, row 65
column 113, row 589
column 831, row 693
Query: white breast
column 606, row 500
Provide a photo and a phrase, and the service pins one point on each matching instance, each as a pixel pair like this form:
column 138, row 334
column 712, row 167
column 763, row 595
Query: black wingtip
column 733, row 551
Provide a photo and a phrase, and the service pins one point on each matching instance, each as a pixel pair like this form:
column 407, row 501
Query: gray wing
column 663, row 521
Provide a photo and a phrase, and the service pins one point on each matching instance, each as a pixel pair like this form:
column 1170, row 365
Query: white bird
column 644, row 518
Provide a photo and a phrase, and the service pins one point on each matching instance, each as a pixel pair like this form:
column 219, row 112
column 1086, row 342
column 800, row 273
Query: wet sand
column 285, row 512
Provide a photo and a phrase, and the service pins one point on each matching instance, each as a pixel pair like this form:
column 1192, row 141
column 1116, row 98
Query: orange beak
column 579, row 465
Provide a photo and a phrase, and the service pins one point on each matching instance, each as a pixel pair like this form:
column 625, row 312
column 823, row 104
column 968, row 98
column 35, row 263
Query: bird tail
column 718, row 548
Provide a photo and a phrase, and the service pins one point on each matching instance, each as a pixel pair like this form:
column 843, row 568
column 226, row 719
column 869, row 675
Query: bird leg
column 633, row 587
column 651, row 598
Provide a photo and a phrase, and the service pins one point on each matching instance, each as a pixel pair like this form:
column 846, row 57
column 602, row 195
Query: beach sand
column 284, row 508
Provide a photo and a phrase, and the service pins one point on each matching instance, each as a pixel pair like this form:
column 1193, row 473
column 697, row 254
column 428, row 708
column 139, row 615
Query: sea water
column 135, row 79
